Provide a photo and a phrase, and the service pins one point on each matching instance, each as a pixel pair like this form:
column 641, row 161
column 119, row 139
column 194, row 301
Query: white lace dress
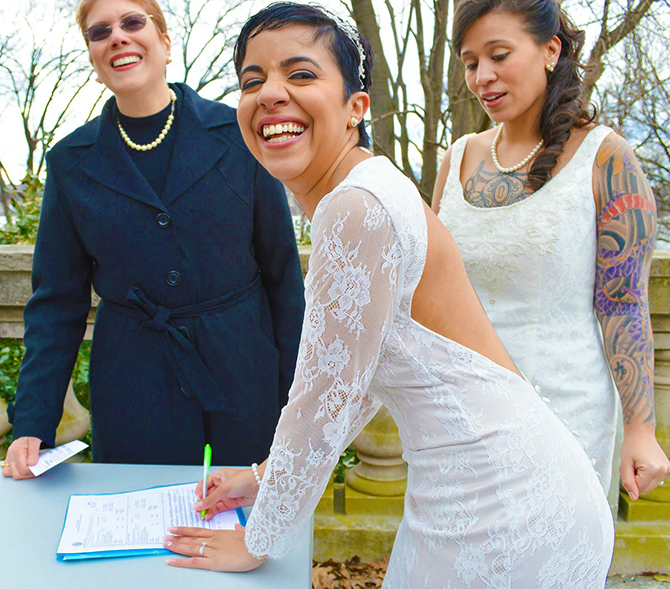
column 499, row 493
column 533, row 266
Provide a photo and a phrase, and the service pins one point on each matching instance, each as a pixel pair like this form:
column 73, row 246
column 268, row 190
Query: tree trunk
column 4, row 196
column 432, row 80
column 382, row 101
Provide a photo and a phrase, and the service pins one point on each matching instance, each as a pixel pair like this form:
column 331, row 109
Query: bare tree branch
column 608, row 38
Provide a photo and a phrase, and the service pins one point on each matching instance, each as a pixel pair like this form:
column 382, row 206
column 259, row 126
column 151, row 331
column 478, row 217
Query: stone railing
column 374, row 488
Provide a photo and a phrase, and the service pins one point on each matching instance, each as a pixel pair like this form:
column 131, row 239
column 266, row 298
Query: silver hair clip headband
column 350, row 30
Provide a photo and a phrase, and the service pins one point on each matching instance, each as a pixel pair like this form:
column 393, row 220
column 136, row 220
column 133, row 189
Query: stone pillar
column 643, row 528
column 382, row 471
column 659, row 302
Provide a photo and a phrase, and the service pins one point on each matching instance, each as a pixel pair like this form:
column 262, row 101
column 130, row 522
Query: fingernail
column 171, row 561
column 167, row 544
column 198, row 505
column 173, row 530
column 168, row 540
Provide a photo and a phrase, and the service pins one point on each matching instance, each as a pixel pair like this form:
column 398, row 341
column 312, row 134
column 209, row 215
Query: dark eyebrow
column 293, row 60
column 252, row 68
column 491, row 42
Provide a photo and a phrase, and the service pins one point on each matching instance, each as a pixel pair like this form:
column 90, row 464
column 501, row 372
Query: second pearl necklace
column 156, row 142
column 521, row 164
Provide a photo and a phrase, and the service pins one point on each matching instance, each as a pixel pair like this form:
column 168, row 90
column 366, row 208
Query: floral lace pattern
column 533, row 266
column 332, row 376
column 497, row 487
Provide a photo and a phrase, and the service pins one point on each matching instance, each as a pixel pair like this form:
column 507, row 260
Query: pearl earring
column 550, row 67
column 353, row 122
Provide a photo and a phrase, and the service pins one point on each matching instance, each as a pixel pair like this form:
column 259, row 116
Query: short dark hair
column 343, row 49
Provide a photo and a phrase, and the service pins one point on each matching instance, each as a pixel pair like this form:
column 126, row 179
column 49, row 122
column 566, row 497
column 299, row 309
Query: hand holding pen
column 229, row 488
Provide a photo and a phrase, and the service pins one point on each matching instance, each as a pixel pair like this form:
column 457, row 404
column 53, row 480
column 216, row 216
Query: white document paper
column 56, row 455
column 133, row 521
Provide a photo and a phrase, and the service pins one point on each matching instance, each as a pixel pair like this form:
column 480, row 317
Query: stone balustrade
column 373, row 501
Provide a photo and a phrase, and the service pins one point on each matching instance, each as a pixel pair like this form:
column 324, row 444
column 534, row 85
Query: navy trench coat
column 196, row 336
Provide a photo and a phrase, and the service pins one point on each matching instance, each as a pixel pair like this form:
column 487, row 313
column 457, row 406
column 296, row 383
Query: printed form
column 56, row 455
column 133, row 521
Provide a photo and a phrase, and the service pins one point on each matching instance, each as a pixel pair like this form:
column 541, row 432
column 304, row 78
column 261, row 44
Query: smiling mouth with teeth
column 282, row 132
column 126, row 60
column 492, row 98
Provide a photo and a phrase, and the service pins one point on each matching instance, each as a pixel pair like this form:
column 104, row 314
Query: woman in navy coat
column 189, row 243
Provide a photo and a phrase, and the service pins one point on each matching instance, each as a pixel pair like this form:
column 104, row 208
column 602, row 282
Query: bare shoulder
column 441, row 180
column 577, row 136
column 477, row 149
column 480, row 144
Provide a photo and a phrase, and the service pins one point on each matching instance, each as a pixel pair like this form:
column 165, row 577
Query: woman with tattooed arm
column 556, row 224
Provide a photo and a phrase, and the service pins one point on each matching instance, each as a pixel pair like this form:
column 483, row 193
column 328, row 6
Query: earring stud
column 550, row 67
column 353, row 122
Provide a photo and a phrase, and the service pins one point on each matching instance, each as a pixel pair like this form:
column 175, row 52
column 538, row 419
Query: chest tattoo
column 492, row 189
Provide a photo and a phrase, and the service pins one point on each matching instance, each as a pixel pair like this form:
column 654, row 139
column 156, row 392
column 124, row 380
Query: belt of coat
column 189, row 369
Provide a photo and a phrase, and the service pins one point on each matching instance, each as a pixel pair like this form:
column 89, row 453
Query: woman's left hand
column 644, row 465
column 225, row 550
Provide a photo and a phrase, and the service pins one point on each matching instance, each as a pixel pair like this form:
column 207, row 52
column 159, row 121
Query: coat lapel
column 196, row 149
column 108, row 163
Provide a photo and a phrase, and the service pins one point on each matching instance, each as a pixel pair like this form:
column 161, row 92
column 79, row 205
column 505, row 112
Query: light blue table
column 31, row 520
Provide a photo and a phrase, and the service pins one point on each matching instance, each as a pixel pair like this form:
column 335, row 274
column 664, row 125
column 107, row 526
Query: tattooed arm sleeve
column 626, row 225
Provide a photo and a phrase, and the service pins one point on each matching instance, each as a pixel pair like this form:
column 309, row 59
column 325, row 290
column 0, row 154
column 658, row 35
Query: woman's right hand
column 227, row 488
column 22, row 453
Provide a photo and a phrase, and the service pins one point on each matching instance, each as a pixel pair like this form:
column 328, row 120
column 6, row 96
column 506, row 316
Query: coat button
column 184, row 331
column 163, row 220
column 173, row 278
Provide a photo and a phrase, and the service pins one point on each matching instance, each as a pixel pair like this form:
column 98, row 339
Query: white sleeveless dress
column 533, row 266
column 499, row 493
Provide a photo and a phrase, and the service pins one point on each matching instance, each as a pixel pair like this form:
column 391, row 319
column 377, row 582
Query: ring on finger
column 661, row 483
column 201, row 550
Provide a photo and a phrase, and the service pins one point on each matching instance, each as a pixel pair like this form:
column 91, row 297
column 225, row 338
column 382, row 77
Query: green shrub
column 11, row 354
column 346, row 461
column 25, row 205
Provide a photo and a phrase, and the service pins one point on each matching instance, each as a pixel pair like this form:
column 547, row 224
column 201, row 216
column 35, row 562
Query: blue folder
column 127, row 552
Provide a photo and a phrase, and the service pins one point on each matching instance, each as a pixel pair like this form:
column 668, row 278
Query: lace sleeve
column 351, row 295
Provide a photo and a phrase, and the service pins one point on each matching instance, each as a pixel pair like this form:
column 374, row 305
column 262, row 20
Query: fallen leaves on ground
column 350, row 574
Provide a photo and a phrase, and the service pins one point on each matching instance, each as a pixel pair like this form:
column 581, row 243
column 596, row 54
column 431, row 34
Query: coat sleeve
column 352, row 296
column 55, row 318
column 281, row 275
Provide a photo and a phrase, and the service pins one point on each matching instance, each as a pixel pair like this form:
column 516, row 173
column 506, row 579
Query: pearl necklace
column 521, row 164
column 156, row 142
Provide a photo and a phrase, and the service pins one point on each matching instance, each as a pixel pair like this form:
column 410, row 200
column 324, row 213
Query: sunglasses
column 130, row 24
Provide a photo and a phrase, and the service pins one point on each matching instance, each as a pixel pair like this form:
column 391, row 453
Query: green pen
column 206, row 465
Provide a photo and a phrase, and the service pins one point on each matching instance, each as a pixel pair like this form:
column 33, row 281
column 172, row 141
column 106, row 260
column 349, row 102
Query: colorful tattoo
column 626, row 234
column 486, row 189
